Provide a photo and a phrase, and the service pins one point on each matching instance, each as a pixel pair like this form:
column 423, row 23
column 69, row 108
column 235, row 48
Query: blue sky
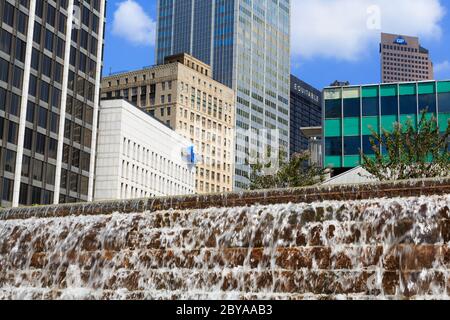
column 331, row 39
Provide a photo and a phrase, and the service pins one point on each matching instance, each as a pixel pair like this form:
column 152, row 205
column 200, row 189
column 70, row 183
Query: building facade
column 306, row 111
column 183, row 95
column 351, row 113
column 404, row 59
column 138, row 156
column 247, row 44
column 50, row 67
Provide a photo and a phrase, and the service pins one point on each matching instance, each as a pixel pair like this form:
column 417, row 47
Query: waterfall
column 360, row 249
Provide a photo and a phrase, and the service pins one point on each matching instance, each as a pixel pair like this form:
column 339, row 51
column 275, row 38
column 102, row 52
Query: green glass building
column 349, row 114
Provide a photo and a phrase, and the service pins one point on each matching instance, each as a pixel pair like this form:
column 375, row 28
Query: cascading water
column 367, row 249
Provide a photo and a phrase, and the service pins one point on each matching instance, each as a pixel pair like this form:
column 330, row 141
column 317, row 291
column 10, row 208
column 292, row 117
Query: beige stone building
column 182, row 94
column 403, row 59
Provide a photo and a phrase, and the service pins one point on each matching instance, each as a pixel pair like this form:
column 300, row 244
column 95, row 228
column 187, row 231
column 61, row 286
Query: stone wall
column 379, row 241
column 411, row 188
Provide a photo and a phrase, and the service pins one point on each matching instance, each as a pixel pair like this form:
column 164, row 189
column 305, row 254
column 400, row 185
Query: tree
column 410, row 153
column 291, row 174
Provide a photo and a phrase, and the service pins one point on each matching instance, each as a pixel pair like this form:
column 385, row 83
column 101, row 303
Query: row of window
column 207, row 187
column 132, row 192
column 400, row 48
column 12, row 46
column 28, row 194
column 10, row 102
column 151, row 159
column 395, row 56
column 11, row 73
column 206, row 174
column 74, row 184
column 352, row 145
column 148, row 181
column 40, row 143
column 404, row 78
column 14, row 17
column 38, row 170
column 8, row 130
column 405, row 72
column 391, row 105
column 74, row 132
column 76, row 158
column 79, row 110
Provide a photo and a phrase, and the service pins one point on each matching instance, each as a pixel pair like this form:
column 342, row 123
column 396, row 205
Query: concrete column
column 98, row 76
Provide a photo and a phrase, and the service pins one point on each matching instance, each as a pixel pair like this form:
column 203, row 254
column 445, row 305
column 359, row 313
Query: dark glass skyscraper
column 202, row 28
column 50, row 67
column 306, row 111
column 247, row 44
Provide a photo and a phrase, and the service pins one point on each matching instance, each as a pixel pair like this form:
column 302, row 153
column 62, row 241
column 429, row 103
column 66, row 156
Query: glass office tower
column 306, row 111
column 351, row 113
column 50, row 67
column 247, row 44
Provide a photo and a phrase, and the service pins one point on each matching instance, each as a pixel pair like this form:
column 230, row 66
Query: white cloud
column 133, row 24
column 442, row 68
column 347, row 29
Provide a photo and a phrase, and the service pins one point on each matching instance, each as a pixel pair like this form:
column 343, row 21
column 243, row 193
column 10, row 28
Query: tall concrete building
column 50, row 67
column 131, row 165
column 403, row 59
column 306, row 112
column 182, row 94
column 247, row 44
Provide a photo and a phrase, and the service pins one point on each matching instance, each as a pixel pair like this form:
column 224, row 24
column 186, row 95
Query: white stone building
column 138, row 156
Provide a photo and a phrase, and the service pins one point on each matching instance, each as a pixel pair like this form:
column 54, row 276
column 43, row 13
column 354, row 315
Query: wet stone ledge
column 403, row 189
column 392, row 248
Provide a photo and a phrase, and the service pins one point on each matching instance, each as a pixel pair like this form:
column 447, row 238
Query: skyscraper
column 404, row 59
column 306, row 111
column 50, row 67
column 247, row 44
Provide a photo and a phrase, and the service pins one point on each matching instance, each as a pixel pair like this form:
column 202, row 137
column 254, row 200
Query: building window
column 10, row 161
column 352, row 108
column 37, row 170
column 408, row 104
column 444, row 102
column 370, row 106
column 7, row 189
column 427, row 102
column 333, row 146
column 333, row 109
column 389, row 105
column 42, row 120
column 12, row 132
column 352, row 145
